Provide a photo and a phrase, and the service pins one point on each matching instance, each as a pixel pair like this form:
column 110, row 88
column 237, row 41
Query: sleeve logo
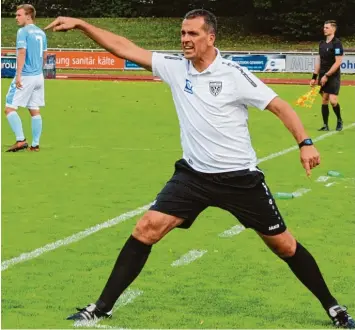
column 173, row 58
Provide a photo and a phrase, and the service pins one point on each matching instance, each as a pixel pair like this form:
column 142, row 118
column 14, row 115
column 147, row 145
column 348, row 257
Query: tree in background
column 292, row 19
column 303, row 19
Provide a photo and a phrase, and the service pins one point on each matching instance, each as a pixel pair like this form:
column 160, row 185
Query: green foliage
column 293, row 19
column 303, row 19
column 90, row 8
column 163, row 33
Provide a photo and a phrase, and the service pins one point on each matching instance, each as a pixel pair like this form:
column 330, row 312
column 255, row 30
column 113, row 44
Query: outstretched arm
column 308, row 154
column 115, row 44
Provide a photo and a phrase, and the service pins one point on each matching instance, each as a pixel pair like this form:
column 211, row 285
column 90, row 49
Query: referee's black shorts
column 332, row 86
column 242, row 193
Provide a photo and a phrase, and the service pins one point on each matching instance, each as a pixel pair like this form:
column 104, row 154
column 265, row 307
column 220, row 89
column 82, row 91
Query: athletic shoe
column 339, row 125
column 324, row 128
column 89, row 313
column 341, row 318
column 19, row 145
column 31, row 148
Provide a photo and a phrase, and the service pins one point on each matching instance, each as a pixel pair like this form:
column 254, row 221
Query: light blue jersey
column 34, row 40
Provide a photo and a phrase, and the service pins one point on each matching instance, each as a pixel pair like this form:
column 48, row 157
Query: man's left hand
column 310, row 158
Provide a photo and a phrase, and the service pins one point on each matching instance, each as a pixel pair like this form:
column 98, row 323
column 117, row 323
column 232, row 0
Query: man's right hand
column 312, row 83
column 18, row 82
column 64, row 24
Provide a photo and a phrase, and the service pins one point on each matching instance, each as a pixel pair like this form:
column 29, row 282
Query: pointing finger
column 51, row 25
column 307, row 168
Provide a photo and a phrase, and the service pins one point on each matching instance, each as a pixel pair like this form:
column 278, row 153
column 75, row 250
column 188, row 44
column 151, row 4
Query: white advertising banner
column 305, row 63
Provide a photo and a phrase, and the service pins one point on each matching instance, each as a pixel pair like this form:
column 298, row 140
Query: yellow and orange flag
column 307, row 99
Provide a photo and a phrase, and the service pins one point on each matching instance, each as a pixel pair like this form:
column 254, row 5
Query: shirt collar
column 210, row 69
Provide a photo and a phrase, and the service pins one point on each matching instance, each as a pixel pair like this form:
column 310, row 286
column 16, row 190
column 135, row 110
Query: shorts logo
column 188, row 87
column 274, row 227
column 337, row 51
column 215, row 87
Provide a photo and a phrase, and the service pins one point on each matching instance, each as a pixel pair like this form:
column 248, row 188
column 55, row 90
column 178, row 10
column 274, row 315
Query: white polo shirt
column 212, row 110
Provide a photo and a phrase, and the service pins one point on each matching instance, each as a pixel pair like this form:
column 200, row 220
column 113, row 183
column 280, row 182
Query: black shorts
column 332, row 86
column 242, row 193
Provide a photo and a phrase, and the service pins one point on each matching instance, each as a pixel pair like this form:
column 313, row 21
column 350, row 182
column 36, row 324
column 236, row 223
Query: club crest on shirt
column 215, row 87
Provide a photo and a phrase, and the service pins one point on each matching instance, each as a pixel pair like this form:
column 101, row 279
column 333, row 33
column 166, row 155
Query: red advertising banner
column 87, row 60
column 83, row 60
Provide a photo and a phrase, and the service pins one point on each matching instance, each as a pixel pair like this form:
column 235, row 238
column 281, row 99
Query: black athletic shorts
column 242, row 193
column 332, row 86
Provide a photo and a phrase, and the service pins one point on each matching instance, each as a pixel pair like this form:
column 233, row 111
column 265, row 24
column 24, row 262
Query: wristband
column 314, row 76
column 305, row 142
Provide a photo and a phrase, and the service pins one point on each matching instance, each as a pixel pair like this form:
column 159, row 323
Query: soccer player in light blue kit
column 27, row 88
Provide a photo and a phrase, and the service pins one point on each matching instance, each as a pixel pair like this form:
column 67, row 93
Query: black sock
column 129, row 264
column 325, row 113
column 306, row 269
column 337, row 111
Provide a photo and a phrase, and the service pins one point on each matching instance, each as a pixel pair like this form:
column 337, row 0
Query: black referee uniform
column 327, row 53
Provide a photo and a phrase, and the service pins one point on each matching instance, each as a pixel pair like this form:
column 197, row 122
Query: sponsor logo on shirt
column 337, row 51
column 188, row 87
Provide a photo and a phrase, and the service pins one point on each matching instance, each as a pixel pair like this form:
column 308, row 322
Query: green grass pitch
column 108, row 148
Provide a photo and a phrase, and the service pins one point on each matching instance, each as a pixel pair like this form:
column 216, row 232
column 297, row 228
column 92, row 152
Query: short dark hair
column 210, row 19
column 332, row 22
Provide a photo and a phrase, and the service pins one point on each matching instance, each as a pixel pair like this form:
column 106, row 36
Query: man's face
column 195, row 40
column 328, row 29
column 21, row 17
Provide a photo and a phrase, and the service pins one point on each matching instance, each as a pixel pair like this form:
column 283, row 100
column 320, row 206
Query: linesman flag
column 307, row 99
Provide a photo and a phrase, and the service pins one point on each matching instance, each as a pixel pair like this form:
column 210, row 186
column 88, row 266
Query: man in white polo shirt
column 218, row 167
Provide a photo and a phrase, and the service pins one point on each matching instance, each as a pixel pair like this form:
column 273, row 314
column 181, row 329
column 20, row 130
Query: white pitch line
column 126, row 298
column 323, row 178
column 232, row 231
column 188, row 258
column 300, row 192
column 286, row 151
column 73, row 238
column 76, row 237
